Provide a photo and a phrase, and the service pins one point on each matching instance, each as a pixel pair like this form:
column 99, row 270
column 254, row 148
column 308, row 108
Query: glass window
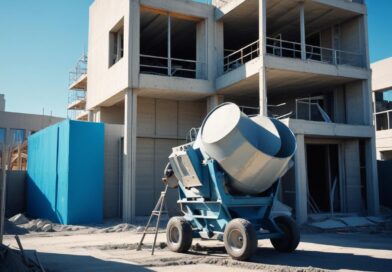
column 383, row 100
column 17, row 137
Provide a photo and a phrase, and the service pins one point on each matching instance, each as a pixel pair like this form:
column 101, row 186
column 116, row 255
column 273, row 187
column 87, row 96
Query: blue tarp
column 65, row 173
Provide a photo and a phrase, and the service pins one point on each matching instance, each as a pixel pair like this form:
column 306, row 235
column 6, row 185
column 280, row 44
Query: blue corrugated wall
column 65, row 173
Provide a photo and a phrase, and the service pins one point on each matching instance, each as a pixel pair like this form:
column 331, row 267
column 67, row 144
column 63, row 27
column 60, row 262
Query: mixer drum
column 254, row 152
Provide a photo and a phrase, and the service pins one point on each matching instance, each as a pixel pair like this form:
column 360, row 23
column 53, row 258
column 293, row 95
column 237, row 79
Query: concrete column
column 213, row 101
column 353, row 197
column 201, row 49
column 373, row 201
column 129, row 180
column 262, row 48
column 301, row 181
column 302, row 29
column 97, row 115
column 132, row 39
column 90, row 116
column 169, row 61
column 219, row 48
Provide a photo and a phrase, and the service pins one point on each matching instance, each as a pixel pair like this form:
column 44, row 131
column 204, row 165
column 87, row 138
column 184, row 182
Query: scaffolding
column 77, row 90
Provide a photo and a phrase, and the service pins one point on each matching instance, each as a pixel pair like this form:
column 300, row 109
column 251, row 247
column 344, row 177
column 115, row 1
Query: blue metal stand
column 210, row 207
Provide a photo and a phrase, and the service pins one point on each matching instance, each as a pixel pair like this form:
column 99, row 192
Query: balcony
column 289, row 49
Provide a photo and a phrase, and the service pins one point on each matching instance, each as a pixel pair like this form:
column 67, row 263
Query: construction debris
column 350, row 222
column 19, row 219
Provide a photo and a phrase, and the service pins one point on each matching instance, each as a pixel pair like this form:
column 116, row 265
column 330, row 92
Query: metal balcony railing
column 383, row 120
column 284, row 48
column 309, row 109
column 239, row 57
column 158, row 65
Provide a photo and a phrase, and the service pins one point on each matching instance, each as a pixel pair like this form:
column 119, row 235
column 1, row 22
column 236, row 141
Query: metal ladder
column 157, row 211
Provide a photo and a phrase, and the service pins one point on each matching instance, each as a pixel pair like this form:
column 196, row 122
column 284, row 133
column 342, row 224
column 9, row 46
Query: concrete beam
column 298, row 65
column 346, row 5
column 191, row 8
column 313, row 128
column 224, row 10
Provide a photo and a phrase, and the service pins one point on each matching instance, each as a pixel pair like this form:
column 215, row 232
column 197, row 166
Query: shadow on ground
column 323, row 260
column 309, row 258
column 351, row 239
column 53, row 262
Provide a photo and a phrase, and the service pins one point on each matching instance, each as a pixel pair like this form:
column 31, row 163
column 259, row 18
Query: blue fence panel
column 65, row 173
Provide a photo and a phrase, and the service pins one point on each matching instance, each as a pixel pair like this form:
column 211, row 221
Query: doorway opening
column 323, row 178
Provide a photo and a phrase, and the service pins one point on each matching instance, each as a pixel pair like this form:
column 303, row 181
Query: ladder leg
column 162, row 200
column 139, row 246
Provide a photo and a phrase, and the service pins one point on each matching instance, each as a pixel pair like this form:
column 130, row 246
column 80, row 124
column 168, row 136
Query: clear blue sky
column 42, row 39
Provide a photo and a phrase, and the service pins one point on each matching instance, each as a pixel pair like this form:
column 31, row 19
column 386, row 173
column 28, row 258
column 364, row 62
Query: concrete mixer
column 228, row 180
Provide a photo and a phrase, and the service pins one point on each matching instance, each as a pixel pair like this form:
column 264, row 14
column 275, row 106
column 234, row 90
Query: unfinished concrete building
column 382, row 94
column 157, row 67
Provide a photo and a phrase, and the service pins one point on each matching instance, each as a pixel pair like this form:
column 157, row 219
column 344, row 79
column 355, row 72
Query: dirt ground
column 82, row 251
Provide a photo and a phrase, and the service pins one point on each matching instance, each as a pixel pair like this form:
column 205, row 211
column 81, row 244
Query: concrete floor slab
column 329, row 224
column 356, row 221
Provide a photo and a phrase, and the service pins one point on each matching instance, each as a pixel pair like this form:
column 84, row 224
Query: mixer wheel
column 179, row 234
column 290, row 239
column 240, row 239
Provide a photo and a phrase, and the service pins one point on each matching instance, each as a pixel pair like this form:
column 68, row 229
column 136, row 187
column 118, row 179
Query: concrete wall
column 355, row 103
column 383, row 142
column 352, row 39
column 110, row 115
column 113, row 171
column 353, row 198
column 28, row 122
column 161, row 125
column 382, row 74
column 16, row 193
column 106, row 81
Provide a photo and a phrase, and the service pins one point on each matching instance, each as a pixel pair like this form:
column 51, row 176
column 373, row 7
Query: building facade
column 382, row 97
column 15, row 127
column 157, row 67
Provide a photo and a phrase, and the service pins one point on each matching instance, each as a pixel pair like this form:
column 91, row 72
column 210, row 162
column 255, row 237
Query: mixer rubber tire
column 240, row 239
column 179, row 234
column 290, row 240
